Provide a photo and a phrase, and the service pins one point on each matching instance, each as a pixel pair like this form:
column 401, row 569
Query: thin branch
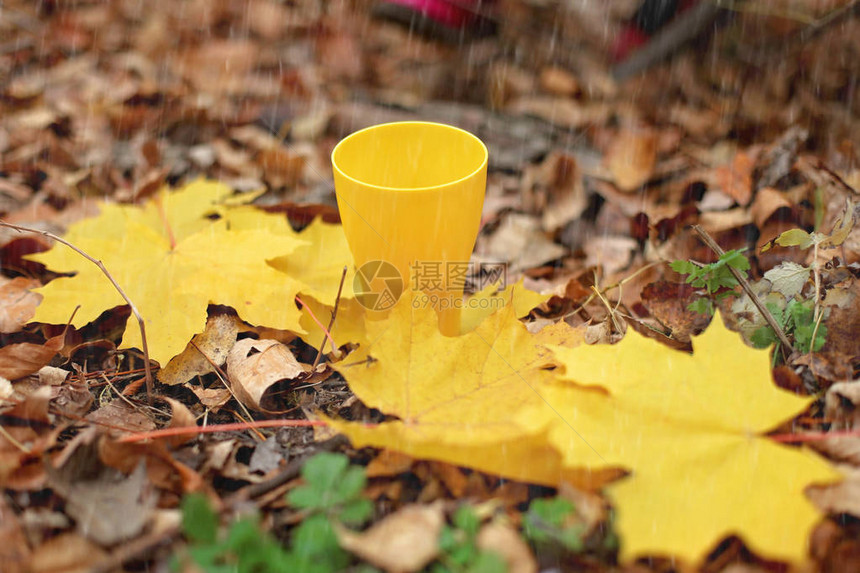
column 742, row 280
column 150, row 386
column 331, row 322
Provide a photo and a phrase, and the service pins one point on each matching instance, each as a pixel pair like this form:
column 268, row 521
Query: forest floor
column 595, row 185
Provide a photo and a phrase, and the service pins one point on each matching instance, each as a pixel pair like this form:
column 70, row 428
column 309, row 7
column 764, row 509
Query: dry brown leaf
column 207, row 348
column 631, row 158
column 281, row 166
column 19, row 360
column 66, row 553
column 735, row 179
column 842, row 497
column 17, row 303
column 255, row 366
column 558, row 81
column 767, row 202
column 14, row 549
column 404, row 541
column 107, row 508
column 120, row 416
column 505, row 541
column 520, row 241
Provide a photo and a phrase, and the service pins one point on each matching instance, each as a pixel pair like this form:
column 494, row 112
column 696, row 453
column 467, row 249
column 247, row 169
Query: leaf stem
column 768, row 317
column 150, row 386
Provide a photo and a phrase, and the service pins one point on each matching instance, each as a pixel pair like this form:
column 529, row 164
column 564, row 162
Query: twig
column 331, row 322
column 682, row 29
column 185, row 430
column 150, row 386
column 326, row 333
column 768, row 317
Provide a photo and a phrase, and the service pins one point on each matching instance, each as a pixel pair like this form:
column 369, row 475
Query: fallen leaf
column 66, row 553
column 108, row 508
column 455, row 397
column 506, row 541
column 19, row 360
column 205, row 349
column 690, row 428
column 170, row 246
column 788, row 278
column 17, row 303
column 490, row 300
column 631, row 158
column 14, row 549
column 405, row 541
column 254, row 367
column 735, row 179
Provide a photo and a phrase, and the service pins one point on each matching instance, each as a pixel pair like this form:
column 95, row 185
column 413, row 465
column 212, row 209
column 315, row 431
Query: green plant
column 715, row 278
column 459, row 552
column 244, row 548
column 798, row 319
column 332, row 492
column 548, row 522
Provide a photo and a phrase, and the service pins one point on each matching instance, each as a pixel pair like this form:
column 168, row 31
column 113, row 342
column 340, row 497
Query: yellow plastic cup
column 411, row 194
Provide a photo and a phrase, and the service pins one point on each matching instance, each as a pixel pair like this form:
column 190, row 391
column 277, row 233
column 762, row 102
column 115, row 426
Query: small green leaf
column 356, row 512
column 488, row 562
column 324, row 470
column 702, row 306
column 351, row 484
column 466, row 519
column 306, row 497
column 763, row 337
column 314, row 537
column 552, row 511
column 199, row 520
column 683, row 267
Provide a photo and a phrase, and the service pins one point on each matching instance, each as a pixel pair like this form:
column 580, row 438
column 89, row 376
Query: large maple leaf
column 687, row 427
column 690, row 427
column 172, row 258
column 456, row 397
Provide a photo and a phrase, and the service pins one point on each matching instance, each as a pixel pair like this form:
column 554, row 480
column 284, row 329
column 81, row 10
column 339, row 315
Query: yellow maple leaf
column 318, row 263
column 172, row 260
column 456, row 396
column 487, row 301
column 689, row 427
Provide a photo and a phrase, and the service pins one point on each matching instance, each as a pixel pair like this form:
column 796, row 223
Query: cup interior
column 409, row 155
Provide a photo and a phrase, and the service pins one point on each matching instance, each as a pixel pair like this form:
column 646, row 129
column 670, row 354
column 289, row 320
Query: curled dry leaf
column 506, row 542
column 406, row 540
column 255, row 366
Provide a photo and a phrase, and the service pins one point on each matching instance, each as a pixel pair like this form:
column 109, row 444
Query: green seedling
column 548, row 523
column 245, row 548
column 715, row 278
column 459, row 552
column 798, row 319
column 332, row 493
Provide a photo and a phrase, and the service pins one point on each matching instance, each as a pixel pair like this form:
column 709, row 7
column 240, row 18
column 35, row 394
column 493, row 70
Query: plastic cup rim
column 441, row 186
